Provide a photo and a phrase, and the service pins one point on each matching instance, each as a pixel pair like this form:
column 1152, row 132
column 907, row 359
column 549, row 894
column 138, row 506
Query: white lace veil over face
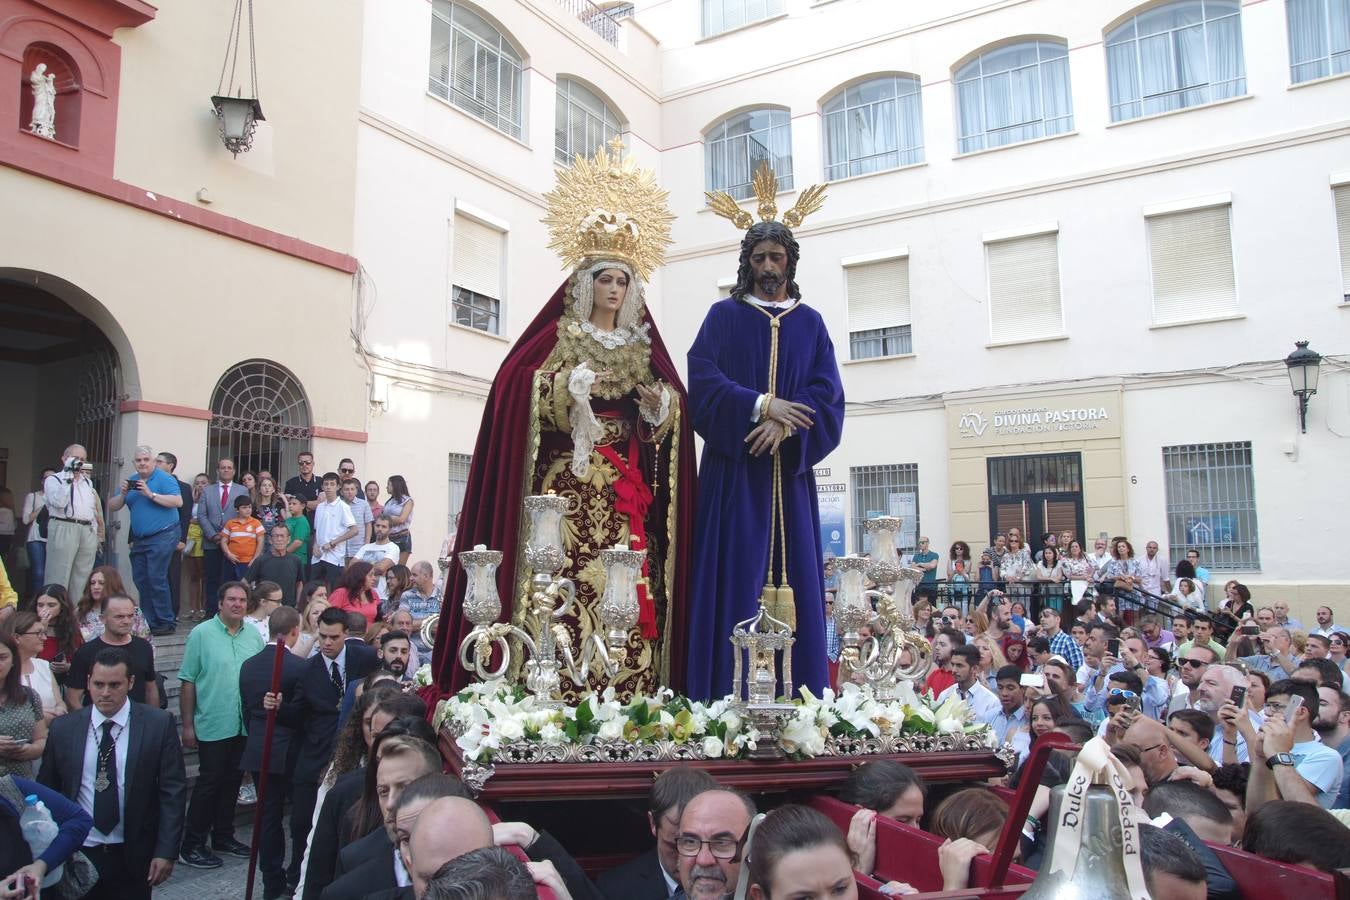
column 583, row 293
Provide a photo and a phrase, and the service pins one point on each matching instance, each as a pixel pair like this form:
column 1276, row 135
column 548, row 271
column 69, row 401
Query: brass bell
column 1098, row 873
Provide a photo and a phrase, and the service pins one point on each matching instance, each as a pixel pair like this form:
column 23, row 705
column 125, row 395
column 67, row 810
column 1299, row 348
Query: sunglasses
column 1193, row 663
column 1120, row 695
column 347, row 471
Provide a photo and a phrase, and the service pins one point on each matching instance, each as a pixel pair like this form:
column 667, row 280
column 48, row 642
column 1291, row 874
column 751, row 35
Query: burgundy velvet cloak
column 492, row 499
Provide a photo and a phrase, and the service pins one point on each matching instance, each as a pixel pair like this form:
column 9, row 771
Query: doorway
column 1037, row 494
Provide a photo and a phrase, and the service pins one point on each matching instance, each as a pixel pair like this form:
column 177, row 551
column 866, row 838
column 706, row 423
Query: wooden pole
column 263, row 766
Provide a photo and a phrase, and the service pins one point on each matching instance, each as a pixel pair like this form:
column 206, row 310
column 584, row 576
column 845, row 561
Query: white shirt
column 43, row 684
column 330, row 521
column 375, row 553
column 69, row 498
column 32, row 504
column 1003, row 723
column 984, row 704
column 121, row 741
column 1098, row 562
column 1328, row 631
column 1155, row 572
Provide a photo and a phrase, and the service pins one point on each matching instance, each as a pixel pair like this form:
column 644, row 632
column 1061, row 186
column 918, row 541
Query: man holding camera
column 73, row 517
column 153, row 498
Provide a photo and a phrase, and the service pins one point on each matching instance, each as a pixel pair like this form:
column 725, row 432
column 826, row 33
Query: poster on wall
column 830, row 504
column 904, row 505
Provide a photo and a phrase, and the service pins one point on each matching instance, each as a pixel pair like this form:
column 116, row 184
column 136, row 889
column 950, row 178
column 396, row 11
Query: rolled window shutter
column 878, row 294
column 1343, row 230
column 1192, row 257
column 478, row 258
column 1024, row 297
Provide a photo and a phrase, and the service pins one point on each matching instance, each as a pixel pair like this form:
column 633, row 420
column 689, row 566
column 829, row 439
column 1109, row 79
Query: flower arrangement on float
column 497, row 721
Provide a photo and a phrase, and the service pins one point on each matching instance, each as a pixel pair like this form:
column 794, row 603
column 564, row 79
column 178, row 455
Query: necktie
column 224, row 496
column 106, row 814
column 337, row 682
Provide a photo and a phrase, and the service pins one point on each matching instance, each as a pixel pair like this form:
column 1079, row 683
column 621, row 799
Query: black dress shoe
column 199, row 858
column 231, row 846
column 163, row 632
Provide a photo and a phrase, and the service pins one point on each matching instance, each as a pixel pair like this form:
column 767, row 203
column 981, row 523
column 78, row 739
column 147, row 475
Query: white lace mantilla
column 619, row 337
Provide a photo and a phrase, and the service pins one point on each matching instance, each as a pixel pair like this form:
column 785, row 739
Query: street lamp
column 1303, row 367
column 238, row 115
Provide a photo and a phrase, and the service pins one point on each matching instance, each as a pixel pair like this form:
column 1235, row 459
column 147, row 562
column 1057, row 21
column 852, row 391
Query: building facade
column 1066, row 249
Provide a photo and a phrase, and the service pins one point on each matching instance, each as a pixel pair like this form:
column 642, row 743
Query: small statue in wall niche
column 44, row 102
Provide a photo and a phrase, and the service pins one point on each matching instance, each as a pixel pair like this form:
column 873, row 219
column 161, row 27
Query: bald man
column 717, row 822
column 73, row 521
column 447, row 828
column 1151, row 739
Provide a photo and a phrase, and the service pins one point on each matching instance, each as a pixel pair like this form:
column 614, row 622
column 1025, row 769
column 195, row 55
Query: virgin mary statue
column 588, row 405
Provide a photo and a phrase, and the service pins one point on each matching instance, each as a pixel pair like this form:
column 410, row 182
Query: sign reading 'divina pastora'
column 1031, row 418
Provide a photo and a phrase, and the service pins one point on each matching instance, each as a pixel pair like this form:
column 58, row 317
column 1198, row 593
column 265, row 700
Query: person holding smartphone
column 1288, row 761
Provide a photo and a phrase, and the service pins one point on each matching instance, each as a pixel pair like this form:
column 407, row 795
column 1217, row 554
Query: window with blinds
column 1191, row 254
column 1024, row 301
column 1211, row 504
column 476, row 276
column 475, row 67
column 1343, row 231
column 878, row 309
column 888, row 490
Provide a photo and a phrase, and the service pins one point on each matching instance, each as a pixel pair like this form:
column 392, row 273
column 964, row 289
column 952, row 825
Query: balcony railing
column 593, row 17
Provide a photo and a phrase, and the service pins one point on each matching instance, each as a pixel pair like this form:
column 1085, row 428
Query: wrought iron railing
column 594, row 18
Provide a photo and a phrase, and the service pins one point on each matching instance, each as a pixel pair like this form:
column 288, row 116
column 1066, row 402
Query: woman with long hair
column 397, row 580
column 1015, row 651
column 960, row 552
column 399, row 509
column 1340, row 648
column 991, row 660
column 355, row 591
column 250, row 483
column 57, row 613
column 34, row 507
column 971, row 820
column 23, row 727
column 313, row 601
column 29, row 635
column 269, row 506
column 798, row 852
column 103, row 582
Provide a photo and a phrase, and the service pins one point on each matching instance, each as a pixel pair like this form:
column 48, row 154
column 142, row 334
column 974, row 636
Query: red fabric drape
column 492, row 499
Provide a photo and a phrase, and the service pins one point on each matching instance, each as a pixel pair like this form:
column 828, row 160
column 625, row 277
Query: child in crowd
column 300, row 530
column 243, row 536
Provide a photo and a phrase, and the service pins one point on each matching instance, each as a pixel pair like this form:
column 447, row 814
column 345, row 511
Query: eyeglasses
column 1143, row 750
column 1193, row 663
column 1275, row 707
column 721, row 847
column 39, row 633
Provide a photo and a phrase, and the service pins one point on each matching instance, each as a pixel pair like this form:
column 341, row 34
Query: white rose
column 950, row 725
column 552, row 734
column 712, row 747
column 510, row 729
column 610, row 730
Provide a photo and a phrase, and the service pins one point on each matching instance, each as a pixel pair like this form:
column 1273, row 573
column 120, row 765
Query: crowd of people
column 1232, row 719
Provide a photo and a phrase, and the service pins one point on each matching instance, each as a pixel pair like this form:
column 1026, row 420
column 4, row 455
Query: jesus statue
column 766, row 397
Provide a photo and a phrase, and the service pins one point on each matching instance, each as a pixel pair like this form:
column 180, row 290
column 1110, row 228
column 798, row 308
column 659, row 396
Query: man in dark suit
column 215, row 509
column 372, row 864
column 136, row 788
column 168, row 462
column 655, row 874
column 255, row 686
column 323, row 685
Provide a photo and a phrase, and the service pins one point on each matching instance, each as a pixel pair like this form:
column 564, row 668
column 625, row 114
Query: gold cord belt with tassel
column 779, row 598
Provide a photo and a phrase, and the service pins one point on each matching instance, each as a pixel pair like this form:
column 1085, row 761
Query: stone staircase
column 168, row 657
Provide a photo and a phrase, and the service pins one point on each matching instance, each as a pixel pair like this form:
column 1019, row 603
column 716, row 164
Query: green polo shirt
column 1214, row 645
column 212, row 661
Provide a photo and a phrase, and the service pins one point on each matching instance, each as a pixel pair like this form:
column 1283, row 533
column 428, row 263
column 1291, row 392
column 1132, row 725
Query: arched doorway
column 259, row 418
column 64, row 365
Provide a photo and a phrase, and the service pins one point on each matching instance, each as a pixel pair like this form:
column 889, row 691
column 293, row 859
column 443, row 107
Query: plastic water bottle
column 39, row 830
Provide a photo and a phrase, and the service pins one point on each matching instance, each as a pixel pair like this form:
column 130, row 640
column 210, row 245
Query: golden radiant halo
column 765, row 183
column 605, row 207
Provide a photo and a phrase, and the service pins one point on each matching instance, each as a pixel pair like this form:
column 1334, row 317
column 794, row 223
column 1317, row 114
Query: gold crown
column 605, row 207
column 765, row 184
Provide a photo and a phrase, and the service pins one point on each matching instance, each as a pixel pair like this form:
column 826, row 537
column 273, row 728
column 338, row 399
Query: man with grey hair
column 487, row 874
column 152, row 497
column 711, row 842
column 421, row 600
column 1277, row 658
column 72, row 521
column 1213, row 698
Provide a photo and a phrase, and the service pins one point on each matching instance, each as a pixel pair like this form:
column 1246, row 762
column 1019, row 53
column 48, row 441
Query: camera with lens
column 946, row 621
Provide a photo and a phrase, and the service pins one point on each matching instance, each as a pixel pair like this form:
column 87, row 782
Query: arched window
column 736, row 145
column 583, row 122
column 873, row 126
column 1013, row 93
column 259, row 418
column 1319, row 38
column 1174, row 56
column 475, row 67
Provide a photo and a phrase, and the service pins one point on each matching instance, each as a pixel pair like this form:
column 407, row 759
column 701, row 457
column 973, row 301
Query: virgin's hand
column 797, row 415
column 649, row 398
column 862, row 840
column 767, row 435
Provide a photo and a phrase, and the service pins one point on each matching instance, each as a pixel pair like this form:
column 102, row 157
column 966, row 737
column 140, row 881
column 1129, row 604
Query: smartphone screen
column 1295, row 704
column 1033, row 679
column 1239, row 696
column 1251, row 629
column 1113, row 646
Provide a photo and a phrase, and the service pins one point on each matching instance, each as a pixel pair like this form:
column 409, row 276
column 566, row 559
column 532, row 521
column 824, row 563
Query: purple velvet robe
column 728, row 370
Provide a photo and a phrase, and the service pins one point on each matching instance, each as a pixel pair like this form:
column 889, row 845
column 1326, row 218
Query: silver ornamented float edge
column 475, row 775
